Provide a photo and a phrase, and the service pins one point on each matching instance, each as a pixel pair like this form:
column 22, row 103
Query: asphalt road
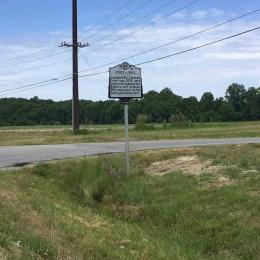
column 12, row 156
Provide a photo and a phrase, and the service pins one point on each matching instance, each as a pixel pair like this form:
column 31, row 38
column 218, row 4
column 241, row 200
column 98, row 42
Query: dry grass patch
column 7, row 195
column 254, row 193
column 3, row 254
column 27, row 215
column 219, row 181
column 94, row 223
column 191, row 165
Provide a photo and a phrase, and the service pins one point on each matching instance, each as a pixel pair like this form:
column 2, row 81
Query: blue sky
column 30, row 26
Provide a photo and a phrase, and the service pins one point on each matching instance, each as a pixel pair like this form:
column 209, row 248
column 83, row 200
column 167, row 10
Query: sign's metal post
column 126, row 139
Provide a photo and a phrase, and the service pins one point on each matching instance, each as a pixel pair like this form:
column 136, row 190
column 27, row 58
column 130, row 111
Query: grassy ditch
column 196, row 203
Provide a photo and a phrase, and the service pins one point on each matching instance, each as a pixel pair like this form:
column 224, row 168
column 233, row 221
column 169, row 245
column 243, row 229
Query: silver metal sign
column 125, row 82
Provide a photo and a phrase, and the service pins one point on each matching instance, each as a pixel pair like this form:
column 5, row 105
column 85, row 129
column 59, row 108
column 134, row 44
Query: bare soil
column 190, row 165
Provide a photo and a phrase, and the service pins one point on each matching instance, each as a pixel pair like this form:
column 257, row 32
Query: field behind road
column 192, row 203
column 110, row 133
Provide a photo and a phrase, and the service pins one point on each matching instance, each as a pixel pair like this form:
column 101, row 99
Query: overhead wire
column 42, row 52
column 178, row 40
column 30, row 85
column 47, row 55
column 122, row 18
column 63, row 60
column 107, row 17
column 199, row 47
column 120, row 38
column 51, row 52
column 184, row 51
column 164, row 57
column 136, row 40
column 53, row 63
column 36, row 85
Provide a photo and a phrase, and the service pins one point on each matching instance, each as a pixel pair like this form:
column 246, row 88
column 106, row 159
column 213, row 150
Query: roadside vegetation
column 141, row 131
column 193, row 203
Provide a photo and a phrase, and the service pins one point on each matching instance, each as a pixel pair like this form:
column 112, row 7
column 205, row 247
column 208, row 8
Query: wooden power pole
column 75, row 71
column 75, row 88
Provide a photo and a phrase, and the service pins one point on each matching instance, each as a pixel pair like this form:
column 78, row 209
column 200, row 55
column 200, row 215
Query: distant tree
column 207, row 102
column 190, row 108
column 207, row 113
column 235, row 95
column 227, row 112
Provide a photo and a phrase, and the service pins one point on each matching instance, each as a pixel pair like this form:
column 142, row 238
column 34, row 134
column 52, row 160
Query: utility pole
column 75, row 78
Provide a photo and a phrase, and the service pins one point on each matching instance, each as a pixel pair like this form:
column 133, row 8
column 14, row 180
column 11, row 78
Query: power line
column 155, row 48
column 30, row 54
column 32, row 60
column 33, row 84
column 146, row 62
column 185, row 51
column 143, row 17
column 183, row 7
column 108, row 17
column 38, row 85
column 199, row 47
column 39, row 67
column 13, row 61
column 47, row 51
column 165, row 5
column 178, row 40
column 138, row 29
column 55, row 48
column 120, row 19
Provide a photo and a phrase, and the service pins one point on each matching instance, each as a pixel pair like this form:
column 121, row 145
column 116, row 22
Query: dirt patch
column 223, row 181
column 250, row 172
column 8, row 195
column 254, row 193
column 3, row 254
column 192, row 165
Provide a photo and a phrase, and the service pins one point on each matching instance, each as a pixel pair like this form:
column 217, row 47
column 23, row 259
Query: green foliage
column 43, row 170
column 238, row 104
column 178, row 120
column 141, row 122
column 81, row 132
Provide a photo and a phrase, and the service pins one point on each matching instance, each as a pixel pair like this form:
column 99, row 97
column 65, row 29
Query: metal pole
column 126, row 139
column 75, row 98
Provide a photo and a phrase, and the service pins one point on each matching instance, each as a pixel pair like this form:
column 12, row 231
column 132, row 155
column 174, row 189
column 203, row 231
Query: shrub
column 141, row 123
column 81, row 132
column 178, row 120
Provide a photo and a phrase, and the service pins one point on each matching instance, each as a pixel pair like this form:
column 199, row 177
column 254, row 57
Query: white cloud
column 208, row 69
column 199, row 14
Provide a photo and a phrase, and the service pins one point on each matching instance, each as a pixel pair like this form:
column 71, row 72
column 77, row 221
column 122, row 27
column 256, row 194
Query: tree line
column 238, row 104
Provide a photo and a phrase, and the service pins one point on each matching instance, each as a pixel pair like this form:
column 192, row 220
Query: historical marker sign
column 125, row 82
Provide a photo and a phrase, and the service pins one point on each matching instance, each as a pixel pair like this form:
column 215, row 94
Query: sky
column 32, row 30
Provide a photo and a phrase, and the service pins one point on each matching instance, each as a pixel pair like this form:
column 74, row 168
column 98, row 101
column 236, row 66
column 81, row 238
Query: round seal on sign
column 125, row 66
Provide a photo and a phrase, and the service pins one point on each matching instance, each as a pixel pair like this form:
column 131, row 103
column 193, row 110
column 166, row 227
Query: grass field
column 193, row 203
column 108, row 133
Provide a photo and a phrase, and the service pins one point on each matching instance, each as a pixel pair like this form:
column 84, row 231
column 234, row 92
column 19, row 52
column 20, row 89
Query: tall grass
column 88, row 209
